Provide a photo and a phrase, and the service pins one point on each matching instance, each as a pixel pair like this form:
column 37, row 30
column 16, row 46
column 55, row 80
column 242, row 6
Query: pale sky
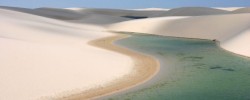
column 124, row 4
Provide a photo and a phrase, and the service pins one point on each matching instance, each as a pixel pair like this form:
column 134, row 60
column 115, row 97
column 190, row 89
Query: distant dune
column 242, row 10
column 152, row 9
column 55, row 13
column 220, row 27
column 194, row 11
column 228, row 8
column 69, row 15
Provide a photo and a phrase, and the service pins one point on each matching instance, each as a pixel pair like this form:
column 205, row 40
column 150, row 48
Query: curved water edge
column 145, row 67
column 191, row 69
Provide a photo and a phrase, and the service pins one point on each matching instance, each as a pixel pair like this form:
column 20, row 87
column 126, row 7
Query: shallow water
column 191, row 69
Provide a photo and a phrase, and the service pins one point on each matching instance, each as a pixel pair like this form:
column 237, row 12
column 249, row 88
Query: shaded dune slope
column 193, row 11
column 71, row 16
column 242, row 10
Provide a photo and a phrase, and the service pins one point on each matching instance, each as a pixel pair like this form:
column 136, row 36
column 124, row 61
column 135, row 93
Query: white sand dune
column 51, row 13
column 120, row 12
column 183, row 11
column 152, row 9
column 110, row 16
column 225, row 28
column 241, row 10
column 193, row 11
column 63, row 14
column 228, row 8
column 47, row 57
column 99, row 19
column 44, row 51
column 158, row 12
column 83, row 16
column 86, row 17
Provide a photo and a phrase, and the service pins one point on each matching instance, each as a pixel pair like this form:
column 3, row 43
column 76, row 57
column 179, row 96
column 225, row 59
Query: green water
column 191, row 69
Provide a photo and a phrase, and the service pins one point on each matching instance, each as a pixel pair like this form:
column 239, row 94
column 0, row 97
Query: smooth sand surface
column 45, row 52
column 43, row 58
column 144, row 68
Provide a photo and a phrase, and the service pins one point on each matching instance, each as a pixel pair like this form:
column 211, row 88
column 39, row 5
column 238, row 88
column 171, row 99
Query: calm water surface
column 191, row 69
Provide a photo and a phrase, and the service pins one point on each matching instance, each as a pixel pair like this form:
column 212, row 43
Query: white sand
column 44, row 52
column 228, row 8
column 194, row 11
column 241, row 10
column 152, row 9
column 230, row 29
column 45, row 57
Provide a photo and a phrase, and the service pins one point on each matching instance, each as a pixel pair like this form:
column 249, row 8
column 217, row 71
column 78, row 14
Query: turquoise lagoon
column 191, row 69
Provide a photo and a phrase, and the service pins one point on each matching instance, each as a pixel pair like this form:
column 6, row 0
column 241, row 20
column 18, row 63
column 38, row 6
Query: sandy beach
column 145, row 67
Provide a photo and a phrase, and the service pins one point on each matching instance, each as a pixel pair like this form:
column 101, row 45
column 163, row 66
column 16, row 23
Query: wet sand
column 145, row 67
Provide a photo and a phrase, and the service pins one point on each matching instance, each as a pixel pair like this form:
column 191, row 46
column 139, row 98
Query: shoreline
column 218, row 43
column 144, row 68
